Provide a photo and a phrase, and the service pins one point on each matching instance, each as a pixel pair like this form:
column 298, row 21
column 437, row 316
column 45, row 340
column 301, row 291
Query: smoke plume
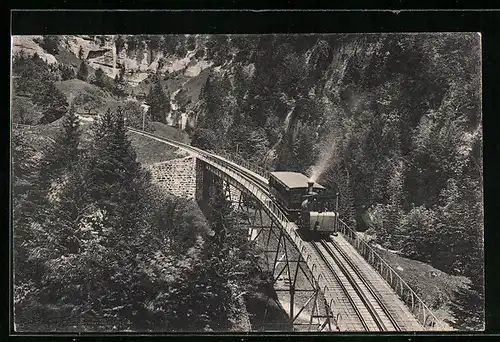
column 327, row 155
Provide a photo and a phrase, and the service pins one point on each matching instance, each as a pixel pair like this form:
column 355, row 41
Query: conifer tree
column 212, row 103
column 220, row 216
column 303, row 149
column 119, row 43
column 68, row 140
column 99, row 78
column 159, row 102
column 115, row 177
column 51, row 44
column 83, row 72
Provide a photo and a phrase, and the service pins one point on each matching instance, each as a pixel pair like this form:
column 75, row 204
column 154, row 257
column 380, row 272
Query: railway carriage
column 304, row 202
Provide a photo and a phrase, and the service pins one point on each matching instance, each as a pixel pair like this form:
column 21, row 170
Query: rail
column 342, row 285
column 276, row 215
column 418, row 308
column 365, row 282
column 255, row 187
column 416, row 305
column 246, row 164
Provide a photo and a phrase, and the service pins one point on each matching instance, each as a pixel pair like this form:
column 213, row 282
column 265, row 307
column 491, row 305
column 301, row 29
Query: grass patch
column 194, row 85
column 170, row 132
column 435, row 288
column 72, row 87
column 41, row 136
column 151, row 151
column 95, row 99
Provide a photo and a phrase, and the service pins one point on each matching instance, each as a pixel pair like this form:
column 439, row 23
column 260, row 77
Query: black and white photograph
column 213, row 183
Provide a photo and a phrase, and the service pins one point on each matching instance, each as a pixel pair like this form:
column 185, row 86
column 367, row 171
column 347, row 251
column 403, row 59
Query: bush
column 205, row 139
column 421, row 236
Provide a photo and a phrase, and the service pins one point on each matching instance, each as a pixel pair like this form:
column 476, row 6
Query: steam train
column 304, row 202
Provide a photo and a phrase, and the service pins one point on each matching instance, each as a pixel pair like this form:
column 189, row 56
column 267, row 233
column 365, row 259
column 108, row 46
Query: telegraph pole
column 337, row 212
column 143, row 119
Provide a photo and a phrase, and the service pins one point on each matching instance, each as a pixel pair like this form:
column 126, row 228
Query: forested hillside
column 393, row 122
column 98, row 247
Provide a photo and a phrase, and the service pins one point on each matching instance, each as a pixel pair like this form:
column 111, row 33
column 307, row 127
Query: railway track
column 371, row 311
column 373, row 293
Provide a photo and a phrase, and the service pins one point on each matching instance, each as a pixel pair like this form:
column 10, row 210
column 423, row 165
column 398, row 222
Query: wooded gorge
column 397, row 117
column 393, row 122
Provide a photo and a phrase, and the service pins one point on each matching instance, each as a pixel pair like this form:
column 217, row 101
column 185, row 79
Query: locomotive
column 304, row 202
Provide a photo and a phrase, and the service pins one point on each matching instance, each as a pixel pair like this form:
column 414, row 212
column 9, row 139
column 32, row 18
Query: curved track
column 375, row 307
column 371, row 312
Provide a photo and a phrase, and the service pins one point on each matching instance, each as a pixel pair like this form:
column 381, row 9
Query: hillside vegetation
column 98, row 247
column 392, row 122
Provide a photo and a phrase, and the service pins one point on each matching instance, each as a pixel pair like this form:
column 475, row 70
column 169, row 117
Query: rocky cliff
column 138, row 57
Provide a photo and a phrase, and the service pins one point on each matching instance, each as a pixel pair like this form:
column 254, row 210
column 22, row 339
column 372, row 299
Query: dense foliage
column 50, row 43
column 393, row 122
column 35, row 79
column 158, row 100
column 99, row 247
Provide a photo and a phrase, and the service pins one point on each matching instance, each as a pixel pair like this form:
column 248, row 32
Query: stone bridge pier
column 297, row 294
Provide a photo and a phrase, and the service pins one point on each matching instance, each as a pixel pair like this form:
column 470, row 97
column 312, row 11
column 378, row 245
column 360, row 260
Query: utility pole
column 337, row 212
column 143, row 119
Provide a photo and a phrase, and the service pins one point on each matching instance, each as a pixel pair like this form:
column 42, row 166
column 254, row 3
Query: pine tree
column 214, row 104
column 190, row 42
column 83, row 72
column 67, row 72
column 422, row 237
column 120, row 43
column 159, row 102
column 115, row 177
column 220, row 216
column 240, row 84
column 37, row 209
column 68, row 141
column 303, row 149
column 346, row 198
column 99, row 78
column 51, row 44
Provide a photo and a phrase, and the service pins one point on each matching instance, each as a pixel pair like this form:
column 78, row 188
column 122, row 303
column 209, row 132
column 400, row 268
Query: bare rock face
column 28, row 45
column 100, row 52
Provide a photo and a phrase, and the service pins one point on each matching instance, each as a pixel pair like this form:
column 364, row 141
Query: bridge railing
column 246, row 164
column 417, row 306
column 405, row 292
column 280, row 219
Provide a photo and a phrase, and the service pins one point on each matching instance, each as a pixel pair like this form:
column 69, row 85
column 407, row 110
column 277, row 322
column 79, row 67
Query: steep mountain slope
column 392, row 122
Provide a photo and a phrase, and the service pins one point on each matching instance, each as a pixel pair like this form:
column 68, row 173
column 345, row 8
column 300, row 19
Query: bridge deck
column 398, row 310
column 345, row 304
column 341, row 303
column 331, row 287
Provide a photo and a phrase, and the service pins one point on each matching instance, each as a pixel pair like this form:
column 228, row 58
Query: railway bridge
column 336, row 284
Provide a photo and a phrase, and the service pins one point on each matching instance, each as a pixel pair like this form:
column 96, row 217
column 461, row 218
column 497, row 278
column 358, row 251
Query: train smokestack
column 310, row 186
